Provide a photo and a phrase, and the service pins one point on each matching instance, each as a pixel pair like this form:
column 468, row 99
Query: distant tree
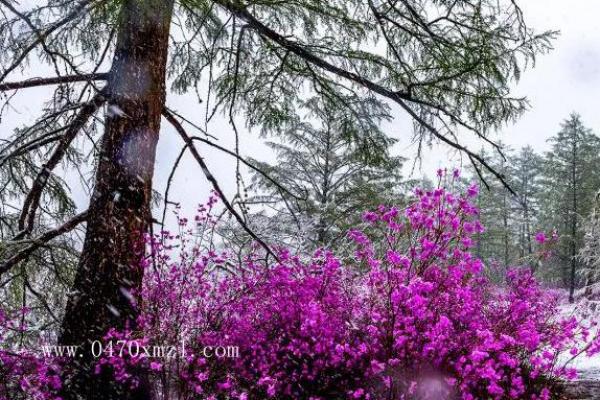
column 570, row 183
column 447, row 64
column 589, row 255
column 525, row 170
column 329, row 176
column 496, row 203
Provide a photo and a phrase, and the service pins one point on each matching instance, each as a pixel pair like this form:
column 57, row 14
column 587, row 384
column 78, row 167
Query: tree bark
column 120, row 208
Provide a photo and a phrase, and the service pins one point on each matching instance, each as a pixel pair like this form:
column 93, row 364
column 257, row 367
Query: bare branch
column 170, row 181
column 34, row 82
column 190, row 144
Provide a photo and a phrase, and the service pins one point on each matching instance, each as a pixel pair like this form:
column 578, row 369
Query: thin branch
column 43, row 35
column 55, row 80
column 170, row 181
column 231, row 153
column 40, row 298
column 34, row 144
column 204, row 132
column 249, row 165
column 190, row 144
column 456, row 145
column 41, row 241
column 31, row 202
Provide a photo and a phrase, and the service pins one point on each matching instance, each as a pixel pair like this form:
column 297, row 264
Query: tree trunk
column 573, row 223
column 119, row 211
column 528, row 232
column 321, row 229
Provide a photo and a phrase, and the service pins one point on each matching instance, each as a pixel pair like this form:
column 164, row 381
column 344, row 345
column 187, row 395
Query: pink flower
column 155, row 366
column 473, row 190
column 540, row 237
column 406, row 294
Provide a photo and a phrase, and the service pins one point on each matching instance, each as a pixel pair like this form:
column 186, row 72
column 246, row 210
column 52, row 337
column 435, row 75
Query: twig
column 33, row 82
column 249, row 165
column 190, row 144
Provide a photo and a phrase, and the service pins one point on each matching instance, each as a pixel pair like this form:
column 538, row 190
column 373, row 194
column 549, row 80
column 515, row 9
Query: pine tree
column 589, row 255
column 496, row 245
column 570, row 184
column 525, row 178
column 334, row 168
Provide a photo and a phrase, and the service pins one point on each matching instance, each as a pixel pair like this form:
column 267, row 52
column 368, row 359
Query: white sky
column 566, row 80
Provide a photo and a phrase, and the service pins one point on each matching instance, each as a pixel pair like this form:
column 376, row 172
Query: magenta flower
column 540, row 237
column 473, row 190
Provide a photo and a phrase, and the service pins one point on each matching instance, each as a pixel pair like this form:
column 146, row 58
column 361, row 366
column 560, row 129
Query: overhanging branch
column 190, row 144
column 399, row 97
column 41, row 241
column 31, row 203
column 55, row 80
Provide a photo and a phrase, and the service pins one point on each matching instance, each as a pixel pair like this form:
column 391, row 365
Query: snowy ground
column 588, row 368
column 587, row 384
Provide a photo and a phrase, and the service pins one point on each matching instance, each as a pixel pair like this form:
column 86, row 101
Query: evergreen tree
column 496, row 245
column 589, row 255
column 525, row 178
column 330, row 177
column 570, row 183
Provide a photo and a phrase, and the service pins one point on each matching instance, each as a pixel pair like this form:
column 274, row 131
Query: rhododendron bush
column 404, row 313
column 23, row 374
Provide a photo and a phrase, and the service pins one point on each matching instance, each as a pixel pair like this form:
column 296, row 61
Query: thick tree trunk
column 119, row 211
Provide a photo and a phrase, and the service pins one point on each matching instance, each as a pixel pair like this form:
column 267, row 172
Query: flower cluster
column 405, row 313
column 24, row 374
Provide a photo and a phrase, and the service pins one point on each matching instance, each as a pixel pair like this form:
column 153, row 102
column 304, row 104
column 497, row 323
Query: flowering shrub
column 405, row 314
column 436, row 324
column 291, row 323
column 25, row 375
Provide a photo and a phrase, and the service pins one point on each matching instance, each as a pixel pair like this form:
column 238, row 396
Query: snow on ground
column 588, row 368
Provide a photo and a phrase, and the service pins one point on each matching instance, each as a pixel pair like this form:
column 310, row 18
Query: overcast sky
column 566, row 80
